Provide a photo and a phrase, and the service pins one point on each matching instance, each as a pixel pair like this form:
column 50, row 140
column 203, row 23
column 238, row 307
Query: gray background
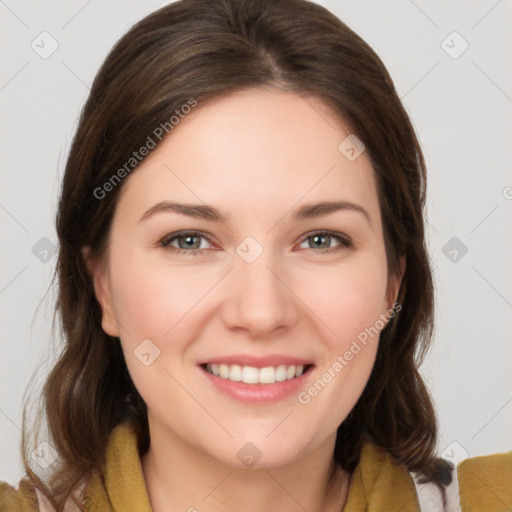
column 460, row 106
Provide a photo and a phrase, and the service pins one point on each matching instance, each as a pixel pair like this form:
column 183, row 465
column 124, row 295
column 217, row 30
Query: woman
column 243, row 280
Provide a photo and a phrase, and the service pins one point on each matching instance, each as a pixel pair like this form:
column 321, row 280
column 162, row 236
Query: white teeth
column 223, row 371
column 252, row 375
column 235, row 373
column 281, row 373
column 267, row 375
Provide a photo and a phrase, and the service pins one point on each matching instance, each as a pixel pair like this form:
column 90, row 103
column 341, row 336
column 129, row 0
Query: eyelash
column 344, row 242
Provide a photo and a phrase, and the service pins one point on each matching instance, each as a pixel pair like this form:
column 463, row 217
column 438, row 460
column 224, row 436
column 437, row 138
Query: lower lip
column 258, row 393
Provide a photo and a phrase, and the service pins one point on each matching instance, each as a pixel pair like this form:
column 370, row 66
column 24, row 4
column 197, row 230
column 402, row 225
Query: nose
column 259, row 299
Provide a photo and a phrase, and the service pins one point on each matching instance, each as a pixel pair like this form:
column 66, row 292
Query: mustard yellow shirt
column 378, row 484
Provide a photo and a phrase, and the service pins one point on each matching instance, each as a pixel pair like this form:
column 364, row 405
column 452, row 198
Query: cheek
column 347, row 299
column 157, row 302
column 152, row 300
column 349, row 302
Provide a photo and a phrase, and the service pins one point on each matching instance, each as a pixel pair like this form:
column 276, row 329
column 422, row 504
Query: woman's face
column 235, row 278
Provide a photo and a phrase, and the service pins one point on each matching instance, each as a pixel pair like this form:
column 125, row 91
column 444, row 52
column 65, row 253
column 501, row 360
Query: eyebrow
column 210, row 213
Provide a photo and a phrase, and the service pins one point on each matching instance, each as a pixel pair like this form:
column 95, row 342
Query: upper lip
column 257, row 361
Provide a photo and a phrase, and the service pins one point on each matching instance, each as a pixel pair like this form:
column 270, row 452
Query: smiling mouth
column 253, row 375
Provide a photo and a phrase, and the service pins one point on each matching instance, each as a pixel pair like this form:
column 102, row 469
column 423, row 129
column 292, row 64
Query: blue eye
column 190, row 242
column 321, row 239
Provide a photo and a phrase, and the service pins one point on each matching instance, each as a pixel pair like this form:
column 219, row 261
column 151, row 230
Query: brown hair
column 203, row 49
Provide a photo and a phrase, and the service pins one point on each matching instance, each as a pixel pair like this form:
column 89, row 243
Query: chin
column 258, row 452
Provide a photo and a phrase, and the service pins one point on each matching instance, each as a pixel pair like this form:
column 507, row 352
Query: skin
column 257, row 156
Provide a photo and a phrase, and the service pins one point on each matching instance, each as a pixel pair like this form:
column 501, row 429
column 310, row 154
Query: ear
column 102, row 290
column 395, row 282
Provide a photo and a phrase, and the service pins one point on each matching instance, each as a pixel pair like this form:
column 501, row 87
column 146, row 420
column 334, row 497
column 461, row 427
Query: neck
column 180, row 477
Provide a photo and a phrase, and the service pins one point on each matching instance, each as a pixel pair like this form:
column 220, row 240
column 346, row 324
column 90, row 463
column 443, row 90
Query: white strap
column 46, row 506
column 430, row 498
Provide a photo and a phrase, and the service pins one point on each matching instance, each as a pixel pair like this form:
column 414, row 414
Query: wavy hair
column 204, row 49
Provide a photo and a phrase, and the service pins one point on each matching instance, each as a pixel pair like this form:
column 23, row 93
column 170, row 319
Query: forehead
column 250, row 149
